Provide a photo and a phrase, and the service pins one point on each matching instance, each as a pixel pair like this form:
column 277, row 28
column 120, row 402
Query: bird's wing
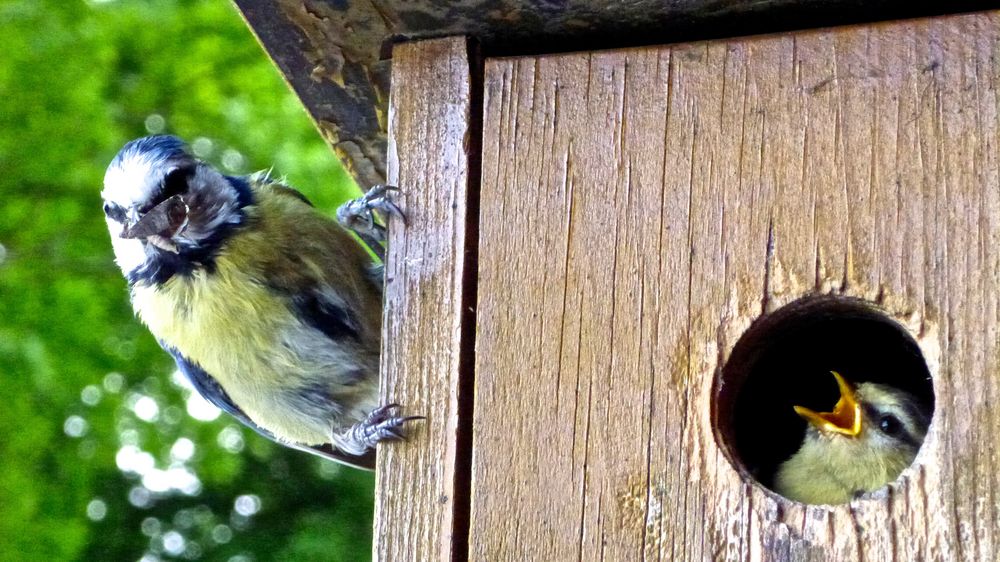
column 319, row 306
column 289, row 191
column 264, row 180
column 212, row 391
column 321, row 310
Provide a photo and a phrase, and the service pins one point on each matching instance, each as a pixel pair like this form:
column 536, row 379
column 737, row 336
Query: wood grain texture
column 334, row 53
column 426, row 305
column 641, row 208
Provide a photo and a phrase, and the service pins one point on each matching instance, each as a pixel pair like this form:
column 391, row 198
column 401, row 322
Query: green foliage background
column 80, row 440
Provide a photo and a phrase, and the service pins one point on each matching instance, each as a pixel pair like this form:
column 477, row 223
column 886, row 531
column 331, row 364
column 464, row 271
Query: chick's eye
column 889, row 425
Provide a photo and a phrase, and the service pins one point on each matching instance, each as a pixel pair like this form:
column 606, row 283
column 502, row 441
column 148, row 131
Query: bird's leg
column 359, row 216
column 382, row 424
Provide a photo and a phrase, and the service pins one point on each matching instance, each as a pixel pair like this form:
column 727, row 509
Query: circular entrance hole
column 785, row 360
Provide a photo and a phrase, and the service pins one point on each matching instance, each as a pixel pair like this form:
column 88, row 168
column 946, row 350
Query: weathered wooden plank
column 641, row 208
column 421, row 498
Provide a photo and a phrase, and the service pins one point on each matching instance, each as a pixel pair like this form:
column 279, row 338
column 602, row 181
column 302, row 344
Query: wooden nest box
column 591, row 234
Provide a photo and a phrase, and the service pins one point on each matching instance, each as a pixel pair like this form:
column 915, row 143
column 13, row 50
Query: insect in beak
column 845, row 417
column 159, row 225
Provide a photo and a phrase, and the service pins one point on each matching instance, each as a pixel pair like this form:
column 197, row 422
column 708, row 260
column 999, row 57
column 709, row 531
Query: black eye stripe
column 176, row 182
column 902, row 431
column 173, row 183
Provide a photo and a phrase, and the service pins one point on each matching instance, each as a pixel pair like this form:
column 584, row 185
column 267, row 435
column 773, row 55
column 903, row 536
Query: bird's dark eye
column 114, row 211
column 890, row 425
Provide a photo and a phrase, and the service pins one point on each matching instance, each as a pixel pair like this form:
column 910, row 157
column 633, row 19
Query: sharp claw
column 382, row 413
column 388, row 207
column 381, row 424
column 380, row 189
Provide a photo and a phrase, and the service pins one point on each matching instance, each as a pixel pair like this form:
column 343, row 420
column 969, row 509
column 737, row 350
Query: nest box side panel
column 640, row 208
column 421, row 495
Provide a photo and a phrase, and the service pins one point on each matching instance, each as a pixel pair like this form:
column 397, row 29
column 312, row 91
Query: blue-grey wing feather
column 334, row 321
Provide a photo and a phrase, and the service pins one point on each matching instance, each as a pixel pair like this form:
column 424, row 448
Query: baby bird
column 870, row 437
column 271, row 310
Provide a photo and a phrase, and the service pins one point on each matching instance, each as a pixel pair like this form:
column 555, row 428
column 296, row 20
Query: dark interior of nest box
column 785, row 359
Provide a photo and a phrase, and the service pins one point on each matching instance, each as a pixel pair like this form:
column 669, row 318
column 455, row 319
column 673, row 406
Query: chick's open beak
column 845, row 417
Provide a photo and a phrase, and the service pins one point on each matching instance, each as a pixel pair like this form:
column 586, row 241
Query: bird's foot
column 382, row 424
column 359, row 215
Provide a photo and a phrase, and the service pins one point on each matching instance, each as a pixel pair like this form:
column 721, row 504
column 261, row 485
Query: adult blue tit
column 271, row 310
column 870, row 437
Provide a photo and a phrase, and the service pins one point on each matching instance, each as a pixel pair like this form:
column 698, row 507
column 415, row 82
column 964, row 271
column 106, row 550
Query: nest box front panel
column 640, row 209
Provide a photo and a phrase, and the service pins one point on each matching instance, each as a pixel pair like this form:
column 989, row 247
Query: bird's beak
column 845, row 417
column 160, row 223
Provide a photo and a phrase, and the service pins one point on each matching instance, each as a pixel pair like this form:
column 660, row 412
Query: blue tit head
column 167, row 211
column 882, row 420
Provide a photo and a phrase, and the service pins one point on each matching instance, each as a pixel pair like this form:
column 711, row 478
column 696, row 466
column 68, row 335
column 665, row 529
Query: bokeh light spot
column 75, row 426
column 146, row 409
column 155, row 123
column 90, row 395
column 247, row 504
column 97, row 509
